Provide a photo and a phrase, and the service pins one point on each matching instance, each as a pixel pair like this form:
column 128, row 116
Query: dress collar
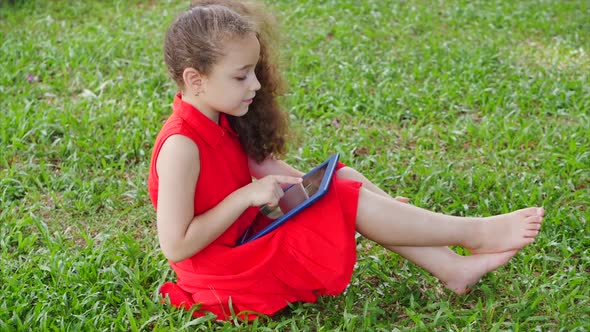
column 210, row 131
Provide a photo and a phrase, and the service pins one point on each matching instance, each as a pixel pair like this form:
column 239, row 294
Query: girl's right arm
column 181, row 233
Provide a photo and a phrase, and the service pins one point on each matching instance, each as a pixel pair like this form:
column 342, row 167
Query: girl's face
column 231, row 86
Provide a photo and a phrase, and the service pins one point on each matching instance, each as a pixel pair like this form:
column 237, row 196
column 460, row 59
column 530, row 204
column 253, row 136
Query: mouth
column 248, row 101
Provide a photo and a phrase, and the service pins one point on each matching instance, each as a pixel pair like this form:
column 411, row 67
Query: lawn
column 466, row 107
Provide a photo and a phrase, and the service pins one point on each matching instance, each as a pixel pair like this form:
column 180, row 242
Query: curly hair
column 195, row 40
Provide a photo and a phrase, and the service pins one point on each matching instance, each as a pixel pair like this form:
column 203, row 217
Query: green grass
column 466, row 107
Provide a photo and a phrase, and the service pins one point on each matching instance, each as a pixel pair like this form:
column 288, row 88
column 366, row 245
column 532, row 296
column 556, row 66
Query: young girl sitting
column 226, row 128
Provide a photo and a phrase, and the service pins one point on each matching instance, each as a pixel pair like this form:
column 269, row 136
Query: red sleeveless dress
column 313, row 254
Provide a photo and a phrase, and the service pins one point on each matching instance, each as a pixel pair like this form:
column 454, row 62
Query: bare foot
column 469, row 270
column 506, row 232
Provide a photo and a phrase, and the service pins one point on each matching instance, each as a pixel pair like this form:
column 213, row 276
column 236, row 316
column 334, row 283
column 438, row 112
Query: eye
column 241, row 78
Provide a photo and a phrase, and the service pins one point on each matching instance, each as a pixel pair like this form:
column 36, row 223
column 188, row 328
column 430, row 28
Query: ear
column 193, row 81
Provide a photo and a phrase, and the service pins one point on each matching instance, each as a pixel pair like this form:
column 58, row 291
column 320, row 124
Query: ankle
column 474, row 235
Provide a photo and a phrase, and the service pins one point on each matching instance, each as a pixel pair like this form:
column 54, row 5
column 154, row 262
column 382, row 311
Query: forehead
column 240, row 51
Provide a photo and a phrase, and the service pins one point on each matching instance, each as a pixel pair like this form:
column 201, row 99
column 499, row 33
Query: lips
column 248, row 101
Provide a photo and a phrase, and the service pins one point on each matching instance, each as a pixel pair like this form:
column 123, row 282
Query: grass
column 467, row 108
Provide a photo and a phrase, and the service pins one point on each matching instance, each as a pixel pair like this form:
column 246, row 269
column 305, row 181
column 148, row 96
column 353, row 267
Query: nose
column 257, row 84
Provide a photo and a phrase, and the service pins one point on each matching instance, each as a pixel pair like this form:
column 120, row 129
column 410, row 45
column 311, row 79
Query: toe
column 533, row 220
column 534, row 226
column 526, row 241
column 532, row 211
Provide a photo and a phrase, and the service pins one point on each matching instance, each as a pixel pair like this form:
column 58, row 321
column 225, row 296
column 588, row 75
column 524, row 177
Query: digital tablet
column 297, row 197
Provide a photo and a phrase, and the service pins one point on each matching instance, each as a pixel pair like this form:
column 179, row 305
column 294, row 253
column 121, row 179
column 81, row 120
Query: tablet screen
column 297, row 194
column 312, row 182
column 296, row 198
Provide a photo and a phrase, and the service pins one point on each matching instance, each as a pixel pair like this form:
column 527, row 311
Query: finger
column 268, row 209
column 287, row 179
column 271, row 205
column 402, row 199
column 278, row 191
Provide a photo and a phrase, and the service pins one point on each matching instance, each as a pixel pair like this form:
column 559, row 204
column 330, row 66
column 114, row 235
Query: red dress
column 312, row 254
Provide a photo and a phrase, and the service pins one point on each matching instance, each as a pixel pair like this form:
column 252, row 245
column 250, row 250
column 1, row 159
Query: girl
column 226, row 127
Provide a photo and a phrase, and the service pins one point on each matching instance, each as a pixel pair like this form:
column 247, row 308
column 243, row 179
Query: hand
column 268, row 191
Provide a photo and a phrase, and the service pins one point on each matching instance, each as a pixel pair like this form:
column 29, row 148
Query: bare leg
column 389, row 222
column 393, row 223
column 458, row 273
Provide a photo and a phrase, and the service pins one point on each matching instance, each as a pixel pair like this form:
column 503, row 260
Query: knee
column 347, row 172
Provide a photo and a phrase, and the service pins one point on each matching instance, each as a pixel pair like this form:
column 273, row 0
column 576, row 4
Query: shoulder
column 178, row 155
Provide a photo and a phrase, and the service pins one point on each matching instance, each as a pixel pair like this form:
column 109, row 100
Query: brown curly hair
column 195, row 40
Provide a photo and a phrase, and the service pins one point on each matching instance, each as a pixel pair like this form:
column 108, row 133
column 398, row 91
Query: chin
column 241, row 112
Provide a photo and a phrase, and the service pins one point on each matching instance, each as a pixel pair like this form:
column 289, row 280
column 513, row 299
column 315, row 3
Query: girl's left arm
column 271, row 166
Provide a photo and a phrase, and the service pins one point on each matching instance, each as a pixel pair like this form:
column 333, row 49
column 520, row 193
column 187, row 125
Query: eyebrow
column 246, row 66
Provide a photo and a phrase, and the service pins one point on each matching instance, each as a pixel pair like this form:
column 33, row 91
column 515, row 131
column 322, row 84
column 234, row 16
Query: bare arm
column 181, row 233
column 272, row 166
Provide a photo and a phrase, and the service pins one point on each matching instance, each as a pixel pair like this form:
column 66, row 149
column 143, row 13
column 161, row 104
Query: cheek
column 233, row 92
column 226, row 93
column 227, row 96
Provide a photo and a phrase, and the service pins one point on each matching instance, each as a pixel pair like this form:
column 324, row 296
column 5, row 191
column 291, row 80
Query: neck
column 200, row 106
